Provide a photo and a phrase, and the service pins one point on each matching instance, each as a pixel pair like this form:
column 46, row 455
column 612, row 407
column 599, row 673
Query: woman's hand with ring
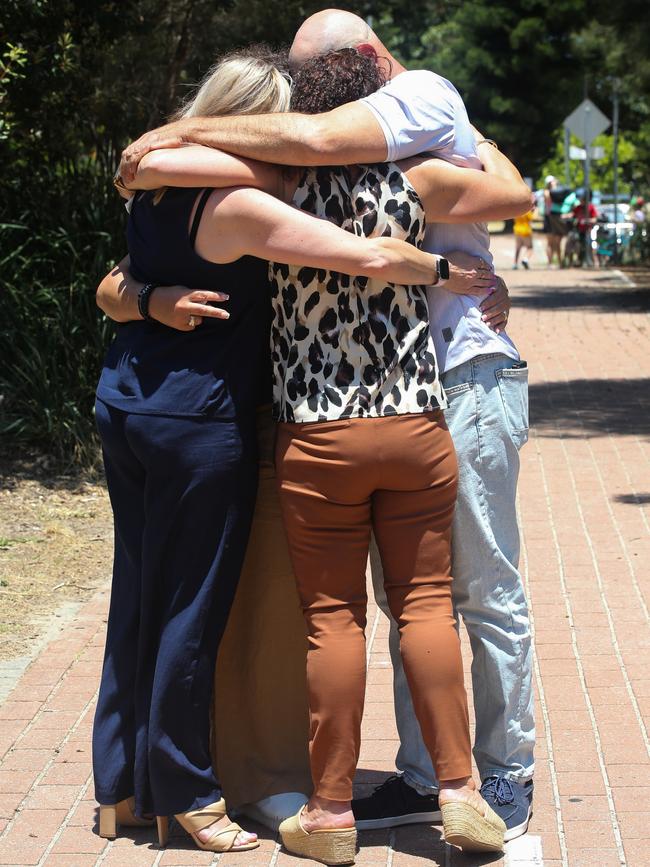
column 468, row 275
column 495, row 309
column 185, row 309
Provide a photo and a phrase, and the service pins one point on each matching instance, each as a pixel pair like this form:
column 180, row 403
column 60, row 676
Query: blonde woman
column 176, row 411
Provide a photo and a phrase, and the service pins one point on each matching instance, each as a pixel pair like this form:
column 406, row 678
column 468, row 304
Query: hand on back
column 185, row 309
column 468, row 275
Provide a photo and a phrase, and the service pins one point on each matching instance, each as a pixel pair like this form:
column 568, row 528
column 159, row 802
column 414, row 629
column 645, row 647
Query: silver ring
column 192, row 321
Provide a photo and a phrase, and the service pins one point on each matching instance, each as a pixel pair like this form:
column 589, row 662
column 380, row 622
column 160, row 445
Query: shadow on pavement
column 632, row 499
column 609, row 297
column 591, row 407
column 42, row 469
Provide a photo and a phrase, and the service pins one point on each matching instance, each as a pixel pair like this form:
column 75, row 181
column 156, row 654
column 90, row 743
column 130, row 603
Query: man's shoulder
column 423, row 81
column 420, row 111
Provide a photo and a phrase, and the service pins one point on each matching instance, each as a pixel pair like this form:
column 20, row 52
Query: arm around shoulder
column 348, row 134
column 247, row 221
column 200, row 166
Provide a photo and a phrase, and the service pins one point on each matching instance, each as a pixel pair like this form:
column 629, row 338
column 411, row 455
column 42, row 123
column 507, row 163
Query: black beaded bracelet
column 144, row 296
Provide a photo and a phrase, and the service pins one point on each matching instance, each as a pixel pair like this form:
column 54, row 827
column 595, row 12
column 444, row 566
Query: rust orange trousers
column 338, row 480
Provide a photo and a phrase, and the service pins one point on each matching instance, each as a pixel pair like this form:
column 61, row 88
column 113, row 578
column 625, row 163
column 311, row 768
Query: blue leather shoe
column 512, row 801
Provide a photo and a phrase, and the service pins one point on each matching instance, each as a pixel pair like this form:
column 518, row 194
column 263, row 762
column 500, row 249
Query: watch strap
column 442, row 269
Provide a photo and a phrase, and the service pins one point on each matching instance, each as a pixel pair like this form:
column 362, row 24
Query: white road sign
column 595, row 153
column 587, row 121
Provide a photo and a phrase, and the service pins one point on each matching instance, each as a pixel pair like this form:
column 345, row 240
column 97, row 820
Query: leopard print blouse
column 351, row 347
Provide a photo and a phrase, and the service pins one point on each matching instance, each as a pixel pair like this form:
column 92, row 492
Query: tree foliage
column 601, row 170
column 514, row 63
column 523, row 65
column 614, row 52
column 80, row 78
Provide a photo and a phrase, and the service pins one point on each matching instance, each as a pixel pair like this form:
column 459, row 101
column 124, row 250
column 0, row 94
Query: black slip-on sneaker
column 395, row 803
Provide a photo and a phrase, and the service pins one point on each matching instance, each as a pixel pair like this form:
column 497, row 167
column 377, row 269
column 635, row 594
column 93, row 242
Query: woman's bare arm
column 117, row 294
column 117, row 297
column 458, row 195
column 199, row 166
column 247, row 221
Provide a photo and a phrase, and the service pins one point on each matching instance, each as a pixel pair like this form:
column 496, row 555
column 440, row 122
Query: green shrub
column 53, row 340
column 78, row 80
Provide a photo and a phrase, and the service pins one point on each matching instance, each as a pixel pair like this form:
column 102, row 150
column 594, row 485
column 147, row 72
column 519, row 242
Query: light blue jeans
column 488, row 420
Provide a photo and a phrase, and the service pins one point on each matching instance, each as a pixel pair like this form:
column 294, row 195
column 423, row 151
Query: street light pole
column 615, row 104
column 587, row 142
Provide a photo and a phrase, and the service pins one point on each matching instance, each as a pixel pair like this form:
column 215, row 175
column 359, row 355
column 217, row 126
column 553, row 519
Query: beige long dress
column 261, row 732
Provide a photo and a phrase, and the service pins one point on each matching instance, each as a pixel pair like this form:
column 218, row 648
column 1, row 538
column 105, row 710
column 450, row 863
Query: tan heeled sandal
column 335, row 846
column 465, row 826
column 111, row 816
column 222, row 840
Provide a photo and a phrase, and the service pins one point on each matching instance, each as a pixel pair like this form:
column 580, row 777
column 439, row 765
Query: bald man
column 486, row 384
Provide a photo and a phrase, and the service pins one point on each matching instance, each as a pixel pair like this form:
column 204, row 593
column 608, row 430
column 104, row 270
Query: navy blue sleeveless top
column 222, row 368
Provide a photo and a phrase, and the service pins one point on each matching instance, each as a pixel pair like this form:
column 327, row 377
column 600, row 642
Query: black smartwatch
column 442, row 270
column 144, row 296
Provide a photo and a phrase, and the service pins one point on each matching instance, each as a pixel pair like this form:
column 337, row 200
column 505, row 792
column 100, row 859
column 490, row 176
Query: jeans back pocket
column 513, row 387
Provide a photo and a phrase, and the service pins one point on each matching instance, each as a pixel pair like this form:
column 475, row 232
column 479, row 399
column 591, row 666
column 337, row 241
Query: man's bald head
column 330, row 30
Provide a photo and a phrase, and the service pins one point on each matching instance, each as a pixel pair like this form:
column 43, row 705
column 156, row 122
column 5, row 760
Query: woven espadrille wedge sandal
column 111, row 816
column 222, row 840
column 470, row 829
column 335, row 846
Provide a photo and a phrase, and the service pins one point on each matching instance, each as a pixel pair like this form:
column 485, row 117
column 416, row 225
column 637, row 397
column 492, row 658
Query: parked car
column 613, row 230
column 608, row 214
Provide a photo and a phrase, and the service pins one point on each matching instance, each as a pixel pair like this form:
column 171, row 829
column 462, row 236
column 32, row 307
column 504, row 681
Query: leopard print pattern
column 346, row 347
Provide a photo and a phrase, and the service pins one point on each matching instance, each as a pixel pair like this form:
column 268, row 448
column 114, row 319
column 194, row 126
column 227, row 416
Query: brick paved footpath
column 584, row 497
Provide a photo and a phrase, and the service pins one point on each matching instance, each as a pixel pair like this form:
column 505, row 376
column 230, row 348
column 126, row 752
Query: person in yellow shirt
column 523, row 238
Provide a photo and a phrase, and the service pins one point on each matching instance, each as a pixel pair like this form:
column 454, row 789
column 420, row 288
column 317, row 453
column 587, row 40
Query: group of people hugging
column 312, row 376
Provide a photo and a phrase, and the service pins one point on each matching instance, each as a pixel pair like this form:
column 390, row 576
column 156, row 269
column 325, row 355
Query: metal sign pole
column 587, row 138
column 587, row 238
column 567, row 162
column 586, row 122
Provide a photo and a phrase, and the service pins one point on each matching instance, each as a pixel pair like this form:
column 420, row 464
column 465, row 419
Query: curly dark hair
column 332, row 79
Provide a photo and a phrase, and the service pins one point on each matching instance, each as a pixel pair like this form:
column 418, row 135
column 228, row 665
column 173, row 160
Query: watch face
column 443, row 269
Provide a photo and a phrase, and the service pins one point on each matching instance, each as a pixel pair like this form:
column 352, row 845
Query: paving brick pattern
column 584, row 496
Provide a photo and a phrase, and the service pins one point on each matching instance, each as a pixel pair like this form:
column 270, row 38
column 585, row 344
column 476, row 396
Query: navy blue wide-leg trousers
column 183, row 493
